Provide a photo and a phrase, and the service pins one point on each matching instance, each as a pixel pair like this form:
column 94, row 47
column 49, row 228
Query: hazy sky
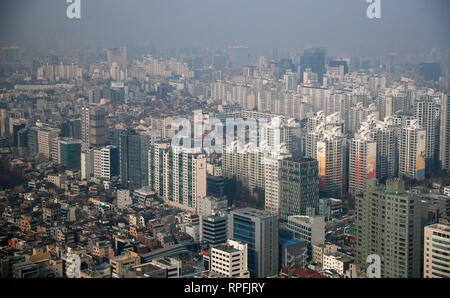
column 339, row 25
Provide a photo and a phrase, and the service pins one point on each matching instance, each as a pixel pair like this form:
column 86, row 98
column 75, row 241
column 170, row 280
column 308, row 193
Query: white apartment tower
column 412, row 148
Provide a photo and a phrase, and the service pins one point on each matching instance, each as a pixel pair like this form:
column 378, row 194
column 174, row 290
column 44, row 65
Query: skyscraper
column 239, row 56
column 69, row 153
column 134, row 159
column 32, row 140
column 314, row 59
column 259, row 230
column 388, row 225
column 299, row 191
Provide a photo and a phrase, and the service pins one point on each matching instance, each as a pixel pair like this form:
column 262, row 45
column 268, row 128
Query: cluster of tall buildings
column 308, row 136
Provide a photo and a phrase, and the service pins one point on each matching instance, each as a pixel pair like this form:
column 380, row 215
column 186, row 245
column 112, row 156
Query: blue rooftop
column 287, row 241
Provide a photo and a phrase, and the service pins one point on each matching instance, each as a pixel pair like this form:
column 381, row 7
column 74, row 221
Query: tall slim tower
column 134, row 159
column 362, row 160
column 428, row 120
column 444, row 150
column 386, row 136
column 412, row 149
column 93, row 126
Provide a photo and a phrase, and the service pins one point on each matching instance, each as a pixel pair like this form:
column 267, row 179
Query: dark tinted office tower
column 76, row 126
column 114, row 136
column 430, row 71
column 67, row 129
column 314, row 59
column 16, row 128
column 338, row 63
column 239, row 56
column 219, row 62
column 299, row 187
column 259, row 230
column 22, row 138
column 213, row 229
column 118, row 94
column 275, row 55
column 32, row 140
column 134, row 159
column 70, row 153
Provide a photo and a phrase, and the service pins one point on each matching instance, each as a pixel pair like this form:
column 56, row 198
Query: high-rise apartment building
column 362, row 161
column 388, row 224
column 330, row 155
column 386, row 136
column 436, row 251
column 412, row 147
column 444, row 148
column 179, row 177
column 185, row 176
column 272, row 185
column 93, row 126
column 87, row 164
column 156, row 166
column 106, row 162
column 47, row 137
column 428, row 116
